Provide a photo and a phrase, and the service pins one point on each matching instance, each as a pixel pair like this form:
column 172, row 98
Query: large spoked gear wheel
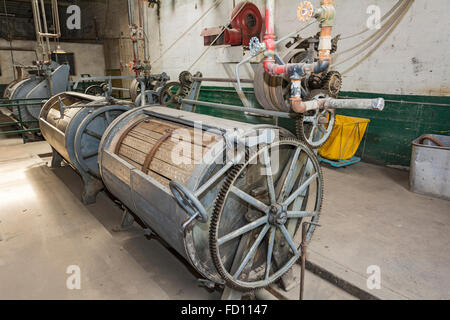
column 255, row 231
column 170, row 95
column 95, row 90
column 315, row 127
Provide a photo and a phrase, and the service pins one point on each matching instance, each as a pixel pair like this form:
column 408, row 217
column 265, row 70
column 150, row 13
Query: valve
column 256, row 46
column 305, row 11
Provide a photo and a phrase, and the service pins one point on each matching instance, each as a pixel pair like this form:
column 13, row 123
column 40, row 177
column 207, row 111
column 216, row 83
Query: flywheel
column 170, row 94
column 255, row 231
column 95, row 90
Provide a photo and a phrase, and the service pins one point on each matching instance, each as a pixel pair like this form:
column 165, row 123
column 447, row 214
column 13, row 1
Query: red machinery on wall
column 246, row 23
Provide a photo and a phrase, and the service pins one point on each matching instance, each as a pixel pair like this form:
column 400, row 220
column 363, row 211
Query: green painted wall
column 2, row 89
column 390, row 132
column 404, row 119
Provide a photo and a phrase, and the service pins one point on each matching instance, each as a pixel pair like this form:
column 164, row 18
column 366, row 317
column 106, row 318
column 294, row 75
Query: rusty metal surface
column 152, row 153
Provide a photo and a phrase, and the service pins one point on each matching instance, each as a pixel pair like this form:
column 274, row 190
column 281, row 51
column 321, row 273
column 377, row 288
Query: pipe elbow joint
column 326, row 14
column 321, row 66
column 297, row 105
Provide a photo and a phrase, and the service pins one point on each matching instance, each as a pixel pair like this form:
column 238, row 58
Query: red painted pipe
column 290, row 69
column 295, row 70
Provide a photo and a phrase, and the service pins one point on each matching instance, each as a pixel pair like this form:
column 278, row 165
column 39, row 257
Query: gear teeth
column 326, row 84
column 166, row 89
column 185, row 78
column 219, row 205
column 299, row 127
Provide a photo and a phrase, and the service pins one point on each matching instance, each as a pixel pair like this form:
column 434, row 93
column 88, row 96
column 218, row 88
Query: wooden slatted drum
column 140, row 154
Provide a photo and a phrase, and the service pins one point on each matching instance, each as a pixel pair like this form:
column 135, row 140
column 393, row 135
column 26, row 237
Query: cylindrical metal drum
column 20, row 90
column 36, row 87
column 247, row 233
column 7, row 92
column 73, row 124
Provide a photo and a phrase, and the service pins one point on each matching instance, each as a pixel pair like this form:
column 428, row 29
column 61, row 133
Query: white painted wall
column 89, row 58
column 412, row 60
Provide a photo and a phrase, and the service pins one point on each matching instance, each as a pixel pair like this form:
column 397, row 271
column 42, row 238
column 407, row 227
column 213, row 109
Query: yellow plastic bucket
column 345, row 138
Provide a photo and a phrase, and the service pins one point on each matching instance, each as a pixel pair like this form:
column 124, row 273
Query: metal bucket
column 430, row 167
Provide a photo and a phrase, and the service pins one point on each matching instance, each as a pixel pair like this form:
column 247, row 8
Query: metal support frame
column 109, row 79
column 126, row 222
column 304, row 247
column 92, row 187
column 20, row 123
column 40, row 24
column 56, row 159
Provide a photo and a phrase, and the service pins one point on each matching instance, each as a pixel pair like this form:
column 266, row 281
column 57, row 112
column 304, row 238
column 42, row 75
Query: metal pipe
column 83, row 79
column 361, row 104
column 222, row 80
column 325, row 14
column 237, row 71
column 135, row 44
column 37, row 23
column 236, row 108
column 10, row 105
column 48, row 35
column 296, row 70
column 317, row 104
column 44, row 23
column 19, row 131
column 304, row 247
column 374, row 104
column 144, row 27
column 358, row 104
column 56, row 17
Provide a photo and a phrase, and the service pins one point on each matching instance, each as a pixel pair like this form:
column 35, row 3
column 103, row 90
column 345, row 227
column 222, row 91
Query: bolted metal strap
column 152, row 153
column 125, row 134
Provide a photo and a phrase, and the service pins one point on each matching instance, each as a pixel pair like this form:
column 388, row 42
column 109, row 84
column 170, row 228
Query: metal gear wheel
column 185, row 78
column 268, row 235
column 95, row 90
column 332, row 83
column 170, row 94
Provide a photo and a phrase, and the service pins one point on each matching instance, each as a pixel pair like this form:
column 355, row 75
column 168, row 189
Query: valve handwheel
column 315, row 127
column 188, row 202
column 254, row 46
column 305, row 11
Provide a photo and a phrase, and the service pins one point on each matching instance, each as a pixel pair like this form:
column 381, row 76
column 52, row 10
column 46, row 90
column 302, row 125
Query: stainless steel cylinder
column 20, row 90
column 73, row 124
column 138, row 159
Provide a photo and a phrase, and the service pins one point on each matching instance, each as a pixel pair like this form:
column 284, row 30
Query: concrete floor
column 369, row 218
